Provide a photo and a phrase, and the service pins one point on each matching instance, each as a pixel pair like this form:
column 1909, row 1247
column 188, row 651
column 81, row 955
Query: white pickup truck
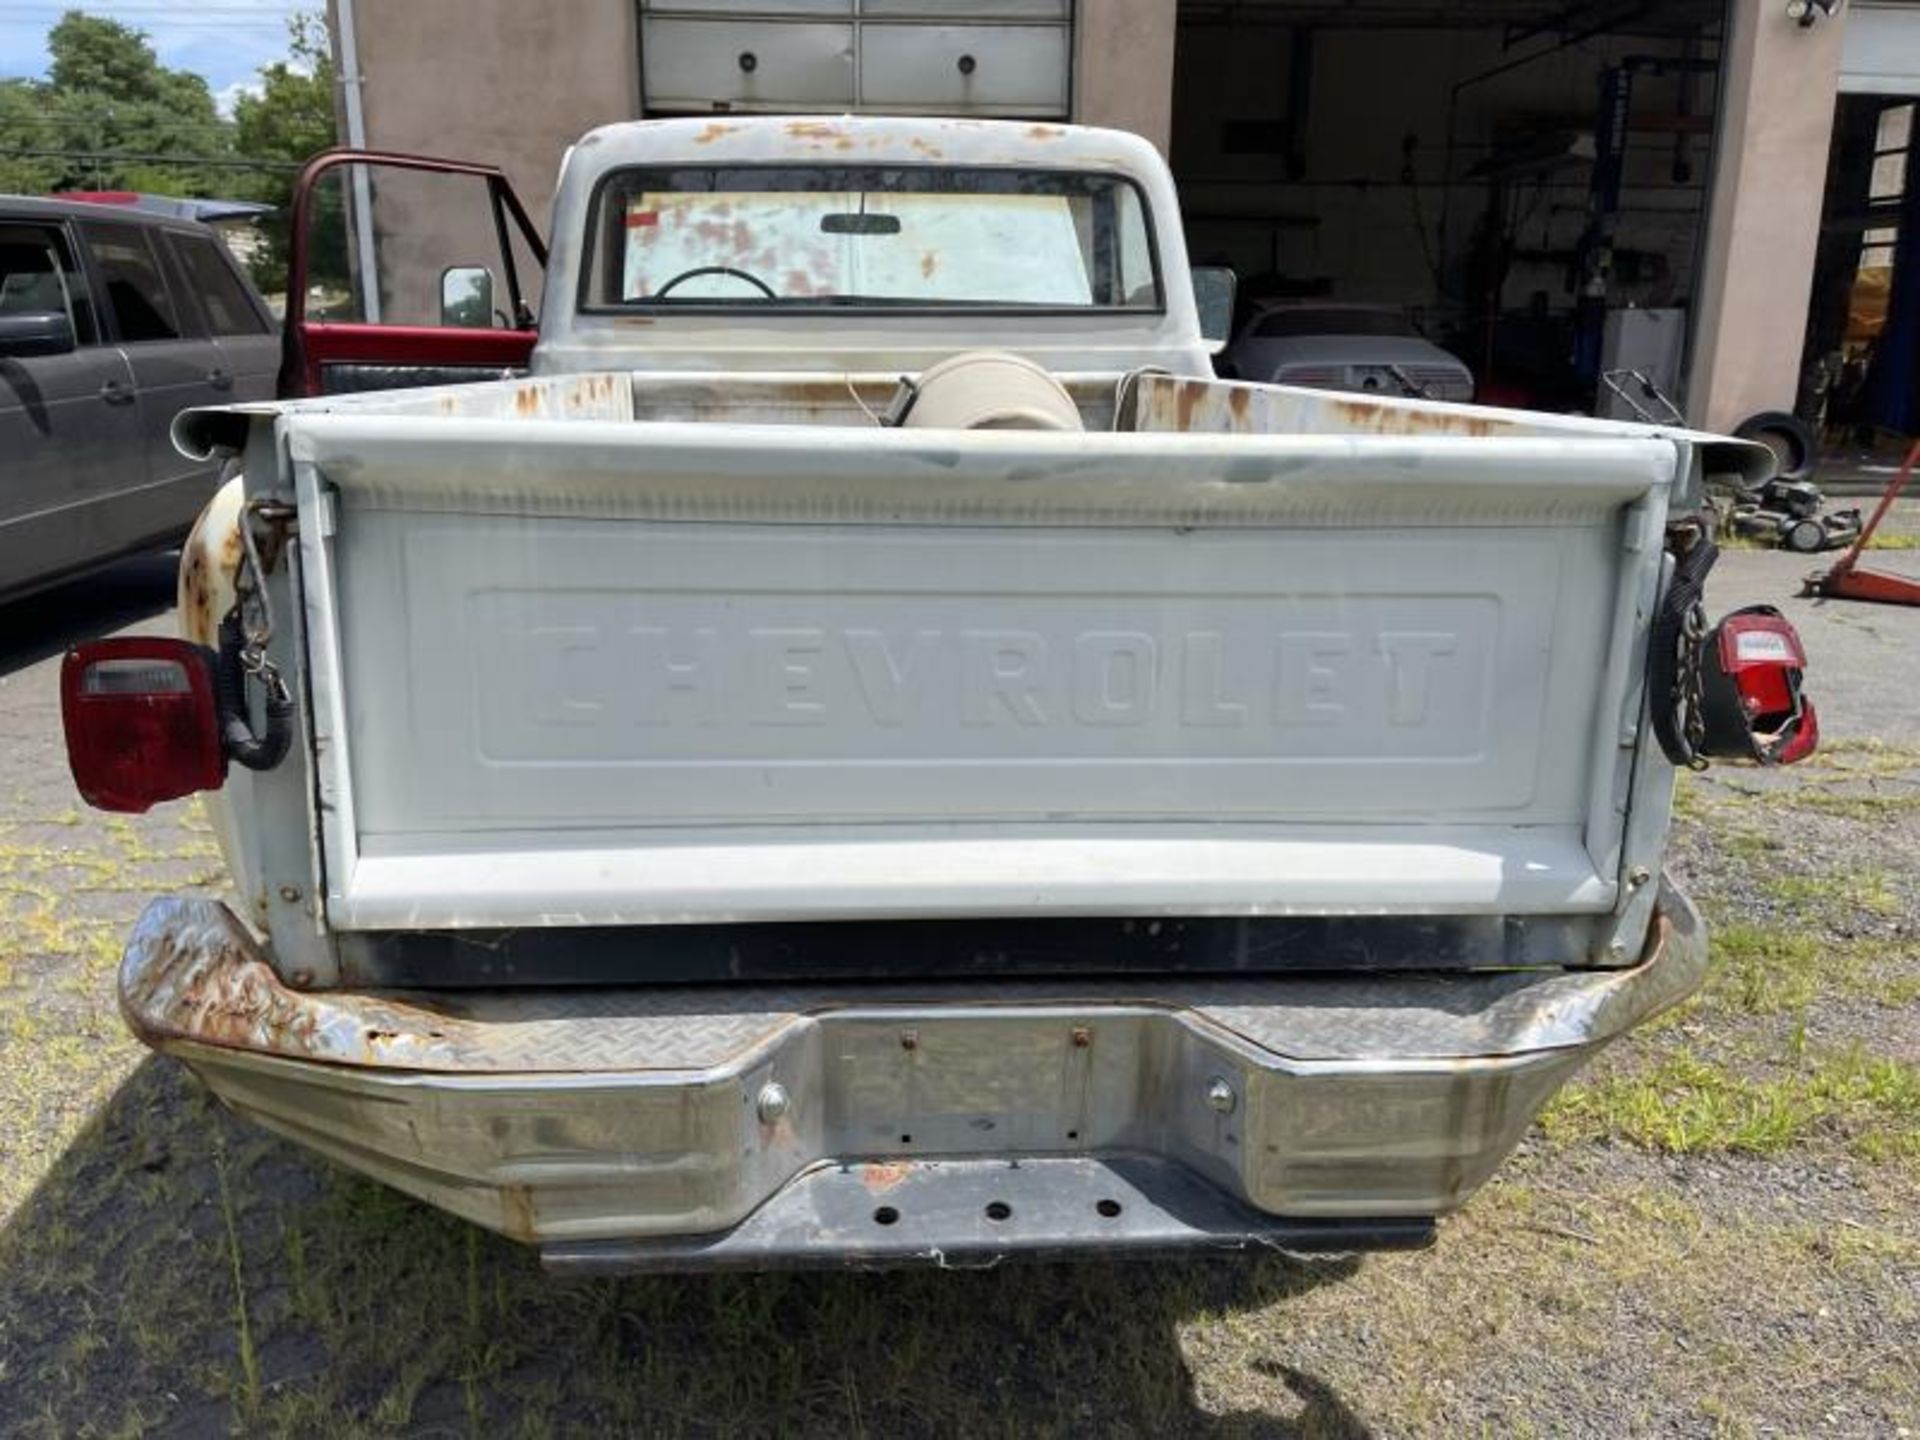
column 712, row 801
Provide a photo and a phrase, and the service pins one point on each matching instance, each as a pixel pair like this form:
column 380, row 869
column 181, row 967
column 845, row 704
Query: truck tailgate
column 569, row 671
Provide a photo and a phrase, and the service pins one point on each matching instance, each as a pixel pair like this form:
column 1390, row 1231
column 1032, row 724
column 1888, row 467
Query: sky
column 227, row 41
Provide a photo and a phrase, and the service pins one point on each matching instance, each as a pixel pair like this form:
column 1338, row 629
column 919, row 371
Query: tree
column 288, row 121
column 23, row 124
column 107, row 101
column 292, row 116
column 110, row 116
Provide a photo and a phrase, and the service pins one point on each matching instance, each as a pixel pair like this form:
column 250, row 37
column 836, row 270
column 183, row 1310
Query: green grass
column 1685, row 1105
column 1872, row 806
column 1824, row 896
column 1768, row 969
column 243, row 1327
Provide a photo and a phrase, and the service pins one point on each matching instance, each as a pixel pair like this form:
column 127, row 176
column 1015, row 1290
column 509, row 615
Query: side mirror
column 35, row 332
column 466, row 297
column 1213, row 292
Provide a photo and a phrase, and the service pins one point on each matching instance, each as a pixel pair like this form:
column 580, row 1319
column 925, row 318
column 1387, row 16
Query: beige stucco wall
column 1123, row 66
column 1764, row 222
column 503, row 81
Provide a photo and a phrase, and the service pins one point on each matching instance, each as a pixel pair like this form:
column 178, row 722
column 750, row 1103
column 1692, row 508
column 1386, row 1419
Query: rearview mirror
column 860, row 223
column 1213, row 292
column 466, row 297
column 35, row 332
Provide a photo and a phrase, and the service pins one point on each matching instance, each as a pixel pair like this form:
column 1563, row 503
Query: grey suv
column 112, row 321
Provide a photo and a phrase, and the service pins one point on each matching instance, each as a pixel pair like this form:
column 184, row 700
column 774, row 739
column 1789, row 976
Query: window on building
column 1890, row 147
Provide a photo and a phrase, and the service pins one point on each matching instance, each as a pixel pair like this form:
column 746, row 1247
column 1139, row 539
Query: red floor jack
column 1847, row 580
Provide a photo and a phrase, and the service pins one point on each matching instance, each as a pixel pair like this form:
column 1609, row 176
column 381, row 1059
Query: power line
column 212, row 162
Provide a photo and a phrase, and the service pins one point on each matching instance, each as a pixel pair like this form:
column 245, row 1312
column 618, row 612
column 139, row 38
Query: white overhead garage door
column 1880, row 53
column 946, row 57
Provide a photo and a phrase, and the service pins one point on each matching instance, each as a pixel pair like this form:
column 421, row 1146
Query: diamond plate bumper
column 612, row 1126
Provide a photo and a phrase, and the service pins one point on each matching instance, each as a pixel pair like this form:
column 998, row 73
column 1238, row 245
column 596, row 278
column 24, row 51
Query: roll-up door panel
column 968, row 9
column 700, row 63
column 960, row 69
column 842, row 9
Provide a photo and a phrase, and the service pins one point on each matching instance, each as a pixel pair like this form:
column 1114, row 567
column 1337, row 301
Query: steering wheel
column 699, row 270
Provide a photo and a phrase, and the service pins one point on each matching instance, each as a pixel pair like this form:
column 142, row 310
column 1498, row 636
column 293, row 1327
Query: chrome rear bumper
column 702, row 1127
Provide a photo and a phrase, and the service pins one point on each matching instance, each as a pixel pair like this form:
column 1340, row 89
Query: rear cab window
column 777, row 237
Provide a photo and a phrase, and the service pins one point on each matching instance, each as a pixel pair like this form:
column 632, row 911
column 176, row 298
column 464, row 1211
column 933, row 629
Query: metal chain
column 1688, row 699
column 256, row 608
column 1692, row 699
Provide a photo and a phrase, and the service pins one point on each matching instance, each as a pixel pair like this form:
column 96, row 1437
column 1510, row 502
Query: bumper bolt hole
column 998, row 1210
column 1108, row 1208
column 885, row 1215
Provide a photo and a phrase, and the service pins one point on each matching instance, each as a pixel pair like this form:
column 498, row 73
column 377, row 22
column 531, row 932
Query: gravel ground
column 1716, row 1232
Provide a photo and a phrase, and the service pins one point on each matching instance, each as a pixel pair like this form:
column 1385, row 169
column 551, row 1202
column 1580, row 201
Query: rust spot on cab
column 880, row 1176
column 1044, row 132
column 929, row 262
column 712, row 131
column 1237, row 401
column 526, row 401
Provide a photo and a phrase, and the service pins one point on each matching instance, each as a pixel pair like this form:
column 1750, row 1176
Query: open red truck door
column 406, row 270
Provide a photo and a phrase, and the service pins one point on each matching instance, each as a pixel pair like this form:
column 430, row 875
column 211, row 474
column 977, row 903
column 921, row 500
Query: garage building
column 1708, row 192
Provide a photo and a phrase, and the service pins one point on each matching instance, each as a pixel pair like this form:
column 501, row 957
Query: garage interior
column 1859, row 386
column 1525, row 182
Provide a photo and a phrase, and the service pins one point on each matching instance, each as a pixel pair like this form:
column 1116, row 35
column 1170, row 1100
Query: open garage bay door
column 945, row 57
column 1505, row 197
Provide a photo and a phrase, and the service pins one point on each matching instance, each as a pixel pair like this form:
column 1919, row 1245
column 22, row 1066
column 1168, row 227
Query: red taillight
column 1752, row 670
column 142, row 725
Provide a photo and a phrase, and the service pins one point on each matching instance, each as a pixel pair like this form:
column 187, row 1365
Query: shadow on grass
column 96, row 604
column 366, row 1313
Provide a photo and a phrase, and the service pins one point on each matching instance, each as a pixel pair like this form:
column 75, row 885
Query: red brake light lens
column 1753, row 704
column 141, row 721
